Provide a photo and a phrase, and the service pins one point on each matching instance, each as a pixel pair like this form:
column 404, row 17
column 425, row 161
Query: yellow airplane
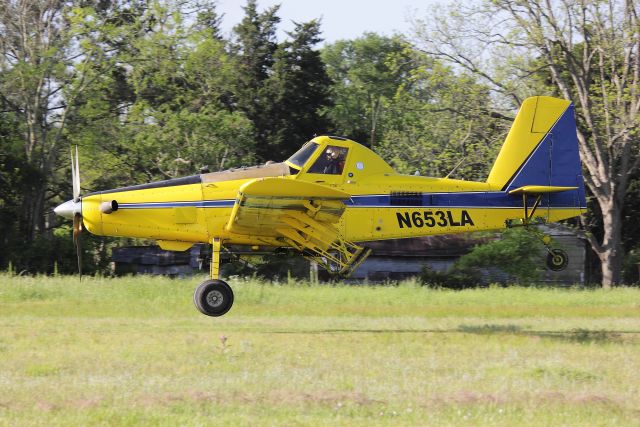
column 334, row 194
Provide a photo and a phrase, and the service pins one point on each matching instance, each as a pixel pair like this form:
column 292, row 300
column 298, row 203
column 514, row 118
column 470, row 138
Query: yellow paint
column 265, row 187
column 216, row 246
column 172, row 245
column 185, row 215
column 384, row 222
column 306, row 210
column 539, row 189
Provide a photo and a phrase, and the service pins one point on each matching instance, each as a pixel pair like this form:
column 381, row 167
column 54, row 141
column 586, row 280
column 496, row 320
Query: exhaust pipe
column 108, row 207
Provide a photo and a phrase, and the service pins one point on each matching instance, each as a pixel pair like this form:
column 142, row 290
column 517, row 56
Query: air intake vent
column 404, row 198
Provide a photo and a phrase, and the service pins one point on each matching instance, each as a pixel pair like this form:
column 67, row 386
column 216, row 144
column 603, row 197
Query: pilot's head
column 332, row 153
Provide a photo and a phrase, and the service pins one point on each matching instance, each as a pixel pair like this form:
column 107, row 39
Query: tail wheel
column 557, row 260
column 213, row 298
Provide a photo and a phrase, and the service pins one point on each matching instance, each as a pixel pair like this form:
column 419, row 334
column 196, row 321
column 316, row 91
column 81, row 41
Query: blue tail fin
column 542, row 150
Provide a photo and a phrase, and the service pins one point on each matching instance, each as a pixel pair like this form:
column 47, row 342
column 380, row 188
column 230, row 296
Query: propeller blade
column 77, row 240
column 77, row 177
column 73, row 175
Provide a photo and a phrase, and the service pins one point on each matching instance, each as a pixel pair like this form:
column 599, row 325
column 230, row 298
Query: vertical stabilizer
column 541, row 151
column 537, row 117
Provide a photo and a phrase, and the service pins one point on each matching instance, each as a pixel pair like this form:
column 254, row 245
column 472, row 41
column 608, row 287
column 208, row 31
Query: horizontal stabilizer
column 540, row 189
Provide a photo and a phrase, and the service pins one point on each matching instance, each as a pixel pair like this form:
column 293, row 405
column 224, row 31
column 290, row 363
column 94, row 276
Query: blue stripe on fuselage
column 164, row 205
column 494, row 199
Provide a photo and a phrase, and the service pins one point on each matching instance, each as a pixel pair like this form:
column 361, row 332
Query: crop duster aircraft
column 333, row 195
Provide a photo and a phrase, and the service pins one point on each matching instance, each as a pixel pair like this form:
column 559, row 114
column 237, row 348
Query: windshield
column 302, row 155
column 331, row 161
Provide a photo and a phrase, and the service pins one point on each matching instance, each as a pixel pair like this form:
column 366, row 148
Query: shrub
column 517, row 253
column 452, row 279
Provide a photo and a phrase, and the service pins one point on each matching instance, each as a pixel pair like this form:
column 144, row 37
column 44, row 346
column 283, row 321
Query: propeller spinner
column 72, row 209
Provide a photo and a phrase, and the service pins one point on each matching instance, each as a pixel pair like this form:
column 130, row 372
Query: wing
column 303, row 214
column 273, row 206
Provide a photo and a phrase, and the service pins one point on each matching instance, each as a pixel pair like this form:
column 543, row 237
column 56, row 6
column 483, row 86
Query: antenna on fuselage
column 455, row 167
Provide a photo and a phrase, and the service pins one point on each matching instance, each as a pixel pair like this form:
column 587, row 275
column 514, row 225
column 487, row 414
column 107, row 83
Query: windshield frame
column 302, row 156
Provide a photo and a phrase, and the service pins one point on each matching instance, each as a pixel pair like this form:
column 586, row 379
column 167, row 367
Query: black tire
column 557, row 260
column 213, row 298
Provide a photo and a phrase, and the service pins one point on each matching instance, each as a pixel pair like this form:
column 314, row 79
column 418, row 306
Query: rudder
column 541, row 149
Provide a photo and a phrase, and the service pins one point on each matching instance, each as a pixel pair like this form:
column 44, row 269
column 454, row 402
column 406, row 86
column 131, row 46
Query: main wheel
column 213, row 298
column 557, row 260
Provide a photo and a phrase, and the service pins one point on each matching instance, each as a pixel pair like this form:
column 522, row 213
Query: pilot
column 334, row 158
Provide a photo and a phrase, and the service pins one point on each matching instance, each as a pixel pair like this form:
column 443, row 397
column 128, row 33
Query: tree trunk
column 611, row 253
column 375, row 114
column 32, row 217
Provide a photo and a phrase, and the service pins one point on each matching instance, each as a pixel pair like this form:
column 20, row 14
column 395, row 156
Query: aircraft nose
column 69, row 209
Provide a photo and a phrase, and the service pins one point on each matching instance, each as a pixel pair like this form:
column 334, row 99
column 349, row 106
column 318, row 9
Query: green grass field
column 134, row 351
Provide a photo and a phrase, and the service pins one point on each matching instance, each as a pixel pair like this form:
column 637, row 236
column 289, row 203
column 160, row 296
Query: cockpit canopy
column 335, row 156
column 330, row 162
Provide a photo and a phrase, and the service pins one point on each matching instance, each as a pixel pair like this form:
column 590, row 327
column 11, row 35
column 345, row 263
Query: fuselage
column 382, row 205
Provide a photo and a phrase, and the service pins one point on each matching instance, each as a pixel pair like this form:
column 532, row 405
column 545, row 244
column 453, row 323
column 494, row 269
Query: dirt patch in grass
column 286, row 398
column 551, row 398
column 584, row 336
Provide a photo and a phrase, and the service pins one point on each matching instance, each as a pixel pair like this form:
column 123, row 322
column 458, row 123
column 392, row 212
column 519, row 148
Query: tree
column 518, row 253
column 591, row 51
column 14, row 176
column 165, row 112
column 50, row 53
column 439, row 124
column 366, row 74
column 36, row 65
column 145, row 92
column 298, row 88
column 253, row 48
column 420, row 114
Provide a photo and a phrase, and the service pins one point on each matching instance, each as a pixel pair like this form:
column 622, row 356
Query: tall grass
column 134, row 351
column 142, row 296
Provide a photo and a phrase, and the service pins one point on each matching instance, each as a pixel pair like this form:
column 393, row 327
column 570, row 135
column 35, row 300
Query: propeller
column 72, row 209
column 77, row 216
column 75, row 176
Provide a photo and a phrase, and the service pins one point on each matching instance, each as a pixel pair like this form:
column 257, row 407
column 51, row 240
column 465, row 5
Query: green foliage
column 517, row 253
column 366, row 74
column 170, row 117
column 440, row 121
column 281, row 87
column 253, row 48
column 416, row 112
column 453, row 279
column 631, row 213
column 297, row 89
column 631, row 268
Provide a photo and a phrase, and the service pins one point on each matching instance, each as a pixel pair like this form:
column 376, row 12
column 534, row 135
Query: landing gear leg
column 214, row 297
column 557, row 259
